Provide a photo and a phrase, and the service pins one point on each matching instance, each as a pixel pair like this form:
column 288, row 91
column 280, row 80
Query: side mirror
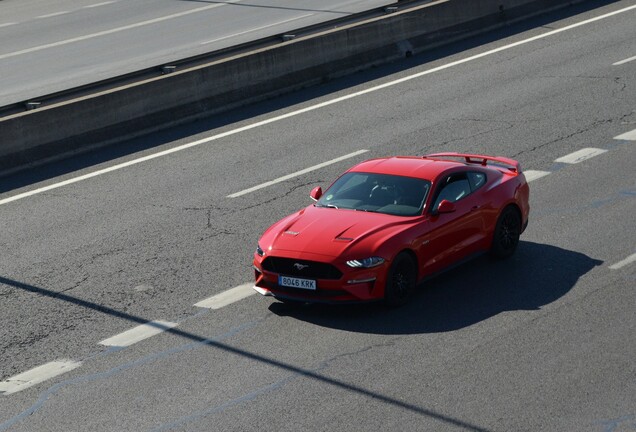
column 316, row 193
column 445, row 207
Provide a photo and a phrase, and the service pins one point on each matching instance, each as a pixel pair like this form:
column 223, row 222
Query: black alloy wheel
column 401, row 280
column 507, row 232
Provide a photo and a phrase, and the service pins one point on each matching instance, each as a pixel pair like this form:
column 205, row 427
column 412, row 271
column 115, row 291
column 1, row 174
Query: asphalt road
column 54, row 45
column 542, row 342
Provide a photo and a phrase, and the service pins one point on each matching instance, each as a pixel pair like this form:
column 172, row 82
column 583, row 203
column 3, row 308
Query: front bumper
column 355, row 285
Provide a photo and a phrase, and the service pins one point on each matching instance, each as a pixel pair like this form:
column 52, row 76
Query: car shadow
column 535, row 276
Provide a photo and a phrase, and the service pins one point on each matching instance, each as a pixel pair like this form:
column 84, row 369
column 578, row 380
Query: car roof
column 409, row 166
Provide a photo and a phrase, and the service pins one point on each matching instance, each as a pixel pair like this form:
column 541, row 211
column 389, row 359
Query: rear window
column 476, row 179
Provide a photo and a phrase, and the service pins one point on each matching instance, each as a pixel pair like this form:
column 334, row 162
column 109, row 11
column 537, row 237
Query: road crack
column 590, row 127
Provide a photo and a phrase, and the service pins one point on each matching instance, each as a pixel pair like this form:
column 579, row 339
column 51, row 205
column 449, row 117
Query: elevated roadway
column 60, row 44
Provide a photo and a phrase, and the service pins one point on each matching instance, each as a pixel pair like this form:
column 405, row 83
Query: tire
column 507, row 231
column 400, row 281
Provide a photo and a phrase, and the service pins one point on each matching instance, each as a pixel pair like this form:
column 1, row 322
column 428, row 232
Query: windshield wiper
column 328, row 205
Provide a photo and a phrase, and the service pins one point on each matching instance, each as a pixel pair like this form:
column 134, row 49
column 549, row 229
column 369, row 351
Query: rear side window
column 453, row 188
column 476, row 180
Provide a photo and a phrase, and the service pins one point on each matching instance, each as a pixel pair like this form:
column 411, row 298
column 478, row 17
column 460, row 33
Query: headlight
column 366, row 263
column 259, row 251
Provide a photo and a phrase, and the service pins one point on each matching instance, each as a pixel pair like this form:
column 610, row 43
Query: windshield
column 381, row 193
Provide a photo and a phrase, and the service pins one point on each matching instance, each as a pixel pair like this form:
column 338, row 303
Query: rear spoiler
column 483, row 160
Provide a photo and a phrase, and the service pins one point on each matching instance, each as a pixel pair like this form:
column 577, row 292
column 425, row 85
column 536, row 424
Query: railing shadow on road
column 535, row 276
column 270, row 361
column 152, row 141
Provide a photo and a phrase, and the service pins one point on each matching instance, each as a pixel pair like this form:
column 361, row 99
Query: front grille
column 301, row 268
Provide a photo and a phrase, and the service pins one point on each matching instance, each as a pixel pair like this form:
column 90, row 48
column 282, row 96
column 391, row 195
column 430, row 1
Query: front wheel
column 507, row 232
column 400, row 281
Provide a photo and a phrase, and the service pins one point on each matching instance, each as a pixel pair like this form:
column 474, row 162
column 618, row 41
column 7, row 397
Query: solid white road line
column 115, row 30
column 627, row 136
column 618, row 63
column 256, row 29
column 310, row 108
column 532, row 175
column 227, row 297
column 37, row 375
column 630, row 259
column 138, row 333
column 580, row 155
column 7, row 24
column 296, row 174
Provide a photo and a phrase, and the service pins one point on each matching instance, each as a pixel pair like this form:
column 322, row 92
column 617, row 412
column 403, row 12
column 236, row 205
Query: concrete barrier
column 83, row 124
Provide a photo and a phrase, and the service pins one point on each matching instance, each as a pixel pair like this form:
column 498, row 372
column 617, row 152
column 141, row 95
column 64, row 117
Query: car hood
column 332, row 232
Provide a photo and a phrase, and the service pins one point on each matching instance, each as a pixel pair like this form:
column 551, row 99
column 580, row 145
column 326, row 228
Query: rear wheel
column 400, row 281
column 507, row 232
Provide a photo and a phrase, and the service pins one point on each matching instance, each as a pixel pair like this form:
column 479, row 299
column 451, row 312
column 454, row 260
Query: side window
column 454, row 188
column 476, row 180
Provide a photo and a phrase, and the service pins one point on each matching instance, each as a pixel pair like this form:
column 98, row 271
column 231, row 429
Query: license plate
column 292, row 282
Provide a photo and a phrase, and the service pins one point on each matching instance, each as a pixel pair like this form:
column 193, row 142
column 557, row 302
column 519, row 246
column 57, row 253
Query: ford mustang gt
column 386, row 224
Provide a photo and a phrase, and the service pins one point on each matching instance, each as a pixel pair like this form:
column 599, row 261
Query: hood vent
column 344, row 239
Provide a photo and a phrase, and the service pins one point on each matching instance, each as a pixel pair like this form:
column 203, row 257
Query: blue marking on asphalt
column 252, row 395
column 628, row 192
column 623, row 423
column 44, row 396
column 558, row 166
column 617, row 197
column 248, row 397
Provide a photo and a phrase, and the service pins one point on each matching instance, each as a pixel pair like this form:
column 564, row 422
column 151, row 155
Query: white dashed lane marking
column 580, row 155
column 532, row 175
column 618, row 63
column 54, row 14
column 227, row 297
column 99, row 4
column 138, row 333
column 627, row 136
column 296, row 174
column 37, row 375
column 630, row 259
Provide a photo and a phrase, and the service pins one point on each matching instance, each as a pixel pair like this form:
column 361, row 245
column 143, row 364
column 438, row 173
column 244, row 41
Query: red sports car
column 388, row 223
